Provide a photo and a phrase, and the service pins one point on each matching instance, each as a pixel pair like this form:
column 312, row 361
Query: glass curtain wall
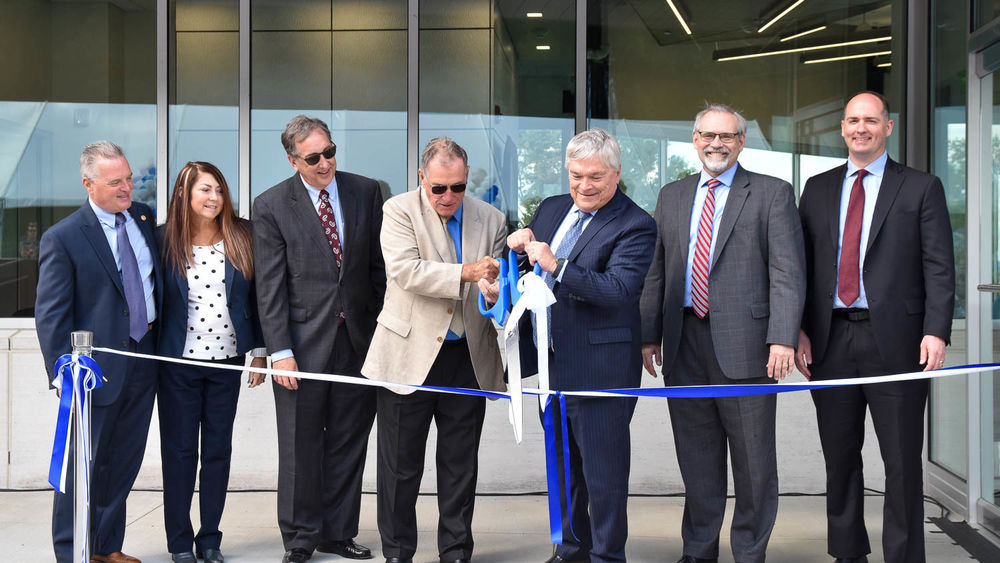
column 74, row 73
column 343, row 61
column 499, row 78
column 203, row 87
column 948, row 431
column 650, row 71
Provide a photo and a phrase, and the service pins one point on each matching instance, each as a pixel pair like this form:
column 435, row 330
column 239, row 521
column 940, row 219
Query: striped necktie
column 702, row 259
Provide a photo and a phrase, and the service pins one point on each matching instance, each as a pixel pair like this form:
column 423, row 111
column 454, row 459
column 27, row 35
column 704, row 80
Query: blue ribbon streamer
column 557, row 491
column 91, row 377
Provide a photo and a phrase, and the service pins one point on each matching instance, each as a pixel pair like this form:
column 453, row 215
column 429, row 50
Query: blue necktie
column 132, row 281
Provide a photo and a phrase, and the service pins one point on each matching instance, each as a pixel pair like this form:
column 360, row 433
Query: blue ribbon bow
column 90, row 378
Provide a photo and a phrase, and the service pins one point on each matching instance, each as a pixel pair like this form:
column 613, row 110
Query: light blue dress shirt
column 143, row 256
column 871, row 182
column 721, row 195
column 338, row 213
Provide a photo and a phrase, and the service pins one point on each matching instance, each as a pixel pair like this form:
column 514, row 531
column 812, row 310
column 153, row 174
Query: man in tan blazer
column 436, row 247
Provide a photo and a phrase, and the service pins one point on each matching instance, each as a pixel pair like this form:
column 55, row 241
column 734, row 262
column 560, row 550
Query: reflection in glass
column 88, row 74
column 508, row 103
column 647, row 79
column 990, row 386
column 342, row 61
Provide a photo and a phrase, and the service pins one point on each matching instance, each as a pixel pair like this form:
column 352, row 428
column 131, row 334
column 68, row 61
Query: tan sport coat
column 424, row 287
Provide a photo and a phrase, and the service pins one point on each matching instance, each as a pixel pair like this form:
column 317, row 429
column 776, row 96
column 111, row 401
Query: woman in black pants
column 209, row 314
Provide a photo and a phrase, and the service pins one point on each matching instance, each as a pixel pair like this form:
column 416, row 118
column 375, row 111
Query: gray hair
column 298, row 129
column 595, row 141
column 98, row 149
column 741, row 122
column 445, row 148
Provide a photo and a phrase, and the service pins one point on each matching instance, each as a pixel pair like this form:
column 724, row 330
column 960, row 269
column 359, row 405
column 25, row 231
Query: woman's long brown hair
column 177, row 245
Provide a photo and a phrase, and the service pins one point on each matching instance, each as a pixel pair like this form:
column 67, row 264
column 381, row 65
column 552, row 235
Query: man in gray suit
column 320, row 283
column 724, row 296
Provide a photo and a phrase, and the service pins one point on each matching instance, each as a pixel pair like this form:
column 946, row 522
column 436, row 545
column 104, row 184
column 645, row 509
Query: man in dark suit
column 594, row 246
column 320, row 282
column 723, row 297
column 98, row 271
column 881, row 292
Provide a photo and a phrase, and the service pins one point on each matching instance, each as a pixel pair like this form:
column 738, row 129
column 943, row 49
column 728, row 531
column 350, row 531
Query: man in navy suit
column 98, row 271
column 594, row 246
column 881, row 294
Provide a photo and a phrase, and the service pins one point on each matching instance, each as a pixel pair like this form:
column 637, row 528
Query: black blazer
column 241, row 299
column 595, row 320
column 909, row 268
column 80, row 288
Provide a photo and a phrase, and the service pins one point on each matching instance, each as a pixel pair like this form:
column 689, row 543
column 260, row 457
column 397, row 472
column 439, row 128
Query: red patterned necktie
column 848, row 276
column 700, row 265
column 329, row 221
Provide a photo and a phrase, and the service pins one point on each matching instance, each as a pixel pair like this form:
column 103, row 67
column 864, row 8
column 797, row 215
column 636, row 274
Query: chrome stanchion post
column 83, row 342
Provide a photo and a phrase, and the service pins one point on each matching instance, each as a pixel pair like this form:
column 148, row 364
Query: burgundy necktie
column 700, row 265
column 848, row 278
column 329, row 221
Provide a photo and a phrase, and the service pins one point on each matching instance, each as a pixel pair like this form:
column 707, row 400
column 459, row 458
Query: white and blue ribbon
column 75, row 376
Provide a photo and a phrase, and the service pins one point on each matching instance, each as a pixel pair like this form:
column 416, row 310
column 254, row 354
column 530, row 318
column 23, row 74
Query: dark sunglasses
column 313, row 159
column 457, row 188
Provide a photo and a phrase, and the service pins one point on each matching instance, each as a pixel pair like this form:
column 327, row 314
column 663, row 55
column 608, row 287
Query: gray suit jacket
column 300, row 289
column 757, row 284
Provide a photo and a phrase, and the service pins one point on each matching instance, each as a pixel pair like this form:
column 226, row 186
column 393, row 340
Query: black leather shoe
column 693, row 559
column 186, row 557
column 345, row 548
column 456, row 561
column 296, row 555
column 211, row 555
column 558, row 559
column 397, row 560
column 862, row 559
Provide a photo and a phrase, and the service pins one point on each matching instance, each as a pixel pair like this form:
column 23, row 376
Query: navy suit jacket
column 909, row 267
column 80, row 288
column 595, row 320
column 241, row 299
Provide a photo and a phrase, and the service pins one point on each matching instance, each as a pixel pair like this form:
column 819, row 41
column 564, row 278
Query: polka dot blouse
column 210, row 333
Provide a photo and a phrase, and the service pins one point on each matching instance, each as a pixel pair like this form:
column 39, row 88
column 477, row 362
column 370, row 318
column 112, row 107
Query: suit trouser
column 898, row 416
column 599, row 457
column 323, row 430
column 118, row 433
column 403, row 424
column 704, row 429
column 195, row 400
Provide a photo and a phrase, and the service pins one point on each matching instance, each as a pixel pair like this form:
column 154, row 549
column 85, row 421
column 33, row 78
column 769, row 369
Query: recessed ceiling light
column 802, row 34
column 884, row 65
column 677, row 14
column 781, row 15
column 804, row 49
column 534, row 14
column 542, row 47
column 847, row 57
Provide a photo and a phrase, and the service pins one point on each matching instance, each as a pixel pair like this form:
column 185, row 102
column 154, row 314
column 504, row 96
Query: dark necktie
column 329, row 221
column 565, row 247
column 848, row 277
column 700, row 266
column 135, row 296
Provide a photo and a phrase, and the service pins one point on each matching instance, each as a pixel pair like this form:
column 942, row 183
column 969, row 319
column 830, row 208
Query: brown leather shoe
column 116, row 557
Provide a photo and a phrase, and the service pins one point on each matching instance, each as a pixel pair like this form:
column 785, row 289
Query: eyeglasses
column 313, row 159
column 457, row 188
column 709, row 136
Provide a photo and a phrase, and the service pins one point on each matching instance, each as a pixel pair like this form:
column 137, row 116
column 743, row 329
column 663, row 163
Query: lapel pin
column 143, row 217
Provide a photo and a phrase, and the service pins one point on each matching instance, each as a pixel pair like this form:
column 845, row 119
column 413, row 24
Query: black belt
column 853, row 314
column 690, row 311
